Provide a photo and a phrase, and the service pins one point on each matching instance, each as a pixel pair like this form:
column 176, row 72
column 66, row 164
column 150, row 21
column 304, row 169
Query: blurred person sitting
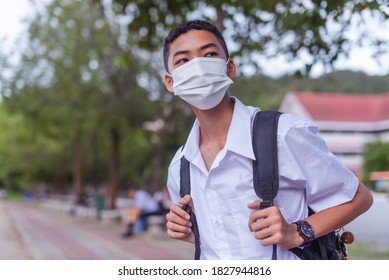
column 162, row 197
column 144, row 206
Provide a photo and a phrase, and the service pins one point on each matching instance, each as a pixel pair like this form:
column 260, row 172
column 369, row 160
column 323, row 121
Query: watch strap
column 306, row 231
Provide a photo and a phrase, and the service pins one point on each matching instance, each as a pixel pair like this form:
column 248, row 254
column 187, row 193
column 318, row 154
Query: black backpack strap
column 184, row 177
column 265, row 165
column 184, row 190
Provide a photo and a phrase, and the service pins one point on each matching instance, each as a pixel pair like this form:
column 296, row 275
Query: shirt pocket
column 238, row 204
column 236, row 213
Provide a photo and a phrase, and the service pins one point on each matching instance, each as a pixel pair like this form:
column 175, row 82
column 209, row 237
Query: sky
column 11, row 15
column 11, row 26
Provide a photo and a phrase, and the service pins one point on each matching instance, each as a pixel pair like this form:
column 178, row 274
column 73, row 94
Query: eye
column 210, row 54
column 180, row 61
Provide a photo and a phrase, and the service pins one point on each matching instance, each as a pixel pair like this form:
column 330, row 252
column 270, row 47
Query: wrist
column 297, row 239
column 306, row 233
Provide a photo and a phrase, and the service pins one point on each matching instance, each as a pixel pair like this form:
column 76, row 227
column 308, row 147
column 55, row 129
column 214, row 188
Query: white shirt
column 308, row 173
column 144, row 201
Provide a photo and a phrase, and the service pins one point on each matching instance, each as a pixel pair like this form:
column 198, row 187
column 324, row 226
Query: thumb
column 254, row 205
column 187, row 199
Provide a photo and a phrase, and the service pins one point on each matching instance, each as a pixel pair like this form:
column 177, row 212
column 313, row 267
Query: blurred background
column 84, row 114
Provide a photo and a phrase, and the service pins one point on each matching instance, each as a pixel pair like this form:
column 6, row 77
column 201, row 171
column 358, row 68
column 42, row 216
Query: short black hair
column 188, row 26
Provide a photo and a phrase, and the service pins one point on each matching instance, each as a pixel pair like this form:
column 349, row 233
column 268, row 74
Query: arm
column 270, row 227
column 335, row 217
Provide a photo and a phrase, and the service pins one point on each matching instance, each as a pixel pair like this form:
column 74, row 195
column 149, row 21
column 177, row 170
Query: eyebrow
column 210, row 45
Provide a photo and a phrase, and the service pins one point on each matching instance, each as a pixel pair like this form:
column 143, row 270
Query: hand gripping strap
column 184, row 190
column 265, row 165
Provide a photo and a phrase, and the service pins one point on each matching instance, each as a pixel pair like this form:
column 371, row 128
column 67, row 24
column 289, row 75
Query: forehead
column 192, row 41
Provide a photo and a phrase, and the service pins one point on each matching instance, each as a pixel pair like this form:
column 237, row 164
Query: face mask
column 202, row 82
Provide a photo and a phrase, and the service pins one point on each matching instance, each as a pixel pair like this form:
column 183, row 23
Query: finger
column 271, row 211
column 254, row 205
column 177, row 210
column 178, row 228
column 174, row 218
column 177, row 235
column 187, row 199
column 259, row 224
column 262, row 234
column 257, row 216
column 273, row 238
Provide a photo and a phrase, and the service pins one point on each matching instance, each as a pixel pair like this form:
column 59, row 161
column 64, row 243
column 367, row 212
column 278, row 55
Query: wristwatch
column 306, row 231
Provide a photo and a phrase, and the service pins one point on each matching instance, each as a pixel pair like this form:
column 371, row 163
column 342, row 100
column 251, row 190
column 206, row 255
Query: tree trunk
column 219, row 21
column 77, row 168
column 157, row 163
column 114, row 167
column 156, row 171
column 95, row 176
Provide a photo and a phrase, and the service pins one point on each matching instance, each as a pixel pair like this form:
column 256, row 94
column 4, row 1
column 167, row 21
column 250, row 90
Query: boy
column 219, row 149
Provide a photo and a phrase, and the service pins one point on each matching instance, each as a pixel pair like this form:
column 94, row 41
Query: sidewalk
column 12, row 246
column 30, row 231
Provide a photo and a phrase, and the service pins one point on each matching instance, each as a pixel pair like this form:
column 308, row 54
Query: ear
column 231, row 68
column 168, row 82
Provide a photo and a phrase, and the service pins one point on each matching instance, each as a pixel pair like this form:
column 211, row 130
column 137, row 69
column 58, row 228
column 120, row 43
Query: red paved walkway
column 30, row 231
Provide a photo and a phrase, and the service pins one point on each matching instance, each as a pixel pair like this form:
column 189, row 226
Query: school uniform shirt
column 309, row 175
column 144, row 201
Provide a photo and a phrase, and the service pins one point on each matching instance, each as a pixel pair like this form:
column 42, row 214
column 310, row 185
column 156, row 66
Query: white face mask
column 202, row 82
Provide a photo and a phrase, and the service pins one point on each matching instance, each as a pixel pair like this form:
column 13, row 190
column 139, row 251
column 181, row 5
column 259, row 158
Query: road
column 30, row 231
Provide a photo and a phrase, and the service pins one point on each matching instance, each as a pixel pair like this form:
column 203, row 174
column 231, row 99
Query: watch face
column 307, row 230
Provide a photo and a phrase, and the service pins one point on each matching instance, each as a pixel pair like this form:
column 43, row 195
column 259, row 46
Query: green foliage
column 316, row 29
column 376, row 157
column 83, row 79
column 267, row 92
column 20, row 162
column 75, row 85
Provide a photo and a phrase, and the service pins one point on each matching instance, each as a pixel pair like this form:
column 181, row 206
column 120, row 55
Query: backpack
column 266, row 184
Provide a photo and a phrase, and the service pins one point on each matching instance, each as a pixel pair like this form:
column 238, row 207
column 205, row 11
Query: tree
column 310, row 31
column 19, row 165
column 77, row 80
column 376, row 157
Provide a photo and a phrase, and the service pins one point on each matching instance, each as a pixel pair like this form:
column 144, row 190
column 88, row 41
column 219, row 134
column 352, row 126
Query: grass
column 14, row 196
column 367, row 251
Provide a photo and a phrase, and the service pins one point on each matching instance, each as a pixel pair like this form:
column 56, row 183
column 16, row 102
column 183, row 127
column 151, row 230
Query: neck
column 214, row 123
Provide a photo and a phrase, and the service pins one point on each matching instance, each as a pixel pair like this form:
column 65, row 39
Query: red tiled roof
column 345, row 106
column 379, row 175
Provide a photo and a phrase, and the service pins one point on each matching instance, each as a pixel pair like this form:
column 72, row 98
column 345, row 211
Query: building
column 380, row 180
column 346, row 121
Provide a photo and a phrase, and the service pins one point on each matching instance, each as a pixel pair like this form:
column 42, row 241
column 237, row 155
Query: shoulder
column 299, row 136
column 141, row 193
column 173, row 178
column 289, row 123
column 177, row 157
column 175, row 167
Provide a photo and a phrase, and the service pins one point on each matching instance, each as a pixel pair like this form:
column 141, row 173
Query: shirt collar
column 239, row 134
column 238, row 138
